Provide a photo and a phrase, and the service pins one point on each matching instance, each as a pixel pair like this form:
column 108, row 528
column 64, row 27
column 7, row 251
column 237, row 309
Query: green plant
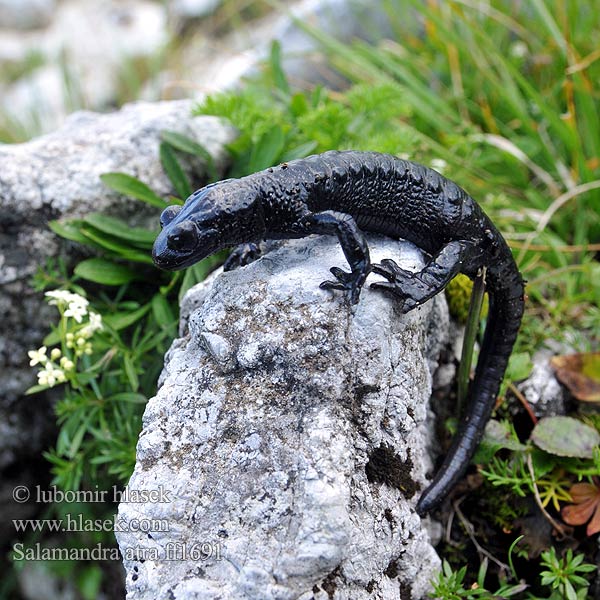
column 403, row 115
column 276, row 124
column 565, row 575
column 559, row 449
column 450, row 584
column 564, row 578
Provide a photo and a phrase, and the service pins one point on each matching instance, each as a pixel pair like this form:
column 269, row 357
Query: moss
column 458, row 294
column 385, row 466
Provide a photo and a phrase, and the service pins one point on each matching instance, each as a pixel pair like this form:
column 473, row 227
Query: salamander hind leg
column 413, row 289
column 353, row 244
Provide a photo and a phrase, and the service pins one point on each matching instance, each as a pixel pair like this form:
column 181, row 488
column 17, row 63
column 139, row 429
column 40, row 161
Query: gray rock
column 25, row 14
column 75, row 71
column 541, row 389
column 58, row 176
column 287, row 440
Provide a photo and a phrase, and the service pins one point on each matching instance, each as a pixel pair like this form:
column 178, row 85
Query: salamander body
column 344, row 194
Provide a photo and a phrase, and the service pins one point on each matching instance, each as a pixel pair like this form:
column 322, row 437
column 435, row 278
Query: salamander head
column 216, row 217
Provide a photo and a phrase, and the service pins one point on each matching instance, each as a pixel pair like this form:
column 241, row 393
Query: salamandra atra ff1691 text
column 344, row 194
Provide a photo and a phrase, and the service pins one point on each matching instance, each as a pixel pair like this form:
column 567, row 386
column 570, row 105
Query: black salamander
column 343, row 194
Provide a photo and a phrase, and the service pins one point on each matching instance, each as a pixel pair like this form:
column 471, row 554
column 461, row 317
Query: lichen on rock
column 289, row 434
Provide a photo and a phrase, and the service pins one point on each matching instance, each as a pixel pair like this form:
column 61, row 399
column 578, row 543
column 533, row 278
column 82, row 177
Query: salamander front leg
column 241, row 256
column 413, row 289
column 353, row 244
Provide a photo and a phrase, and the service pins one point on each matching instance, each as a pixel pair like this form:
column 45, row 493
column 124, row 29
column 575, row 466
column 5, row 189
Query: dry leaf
column 585, row 507
column 580, row 373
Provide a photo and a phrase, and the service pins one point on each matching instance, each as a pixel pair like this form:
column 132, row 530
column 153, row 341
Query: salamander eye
column 169, row 214
column 184, row 237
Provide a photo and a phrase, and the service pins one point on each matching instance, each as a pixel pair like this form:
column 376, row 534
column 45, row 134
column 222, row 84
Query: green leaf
column 89, row 581
column 117, row 247
column 34, row 389
column 52, row 338
column 101, row 460
column 174, row 171
column 299, row 105
column 279, row 77
column 118, row 228
column 131, row 186
column 100, row 270
column 162, row 312
column 267, row 150
column 70, row 230
column 542, row 462
column 565, row 436
column 186, row 144
column 77, row 439
column 471, row 329
column 299, row 151
column 497, row 435
column 519, row 366
column 128, row 397
column 571, row 593
column 130, row 371
column 120, row 320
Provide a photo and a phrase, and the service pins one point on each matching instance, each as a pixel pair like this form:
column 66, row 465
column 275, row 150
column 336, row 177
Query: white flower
column 50, row 376
column 77, row 304
column 37, row 356
column 95, row 321
column 77, row 310
column 77, row 299
column 94, row 325
column 58, row 296
column 55, row 353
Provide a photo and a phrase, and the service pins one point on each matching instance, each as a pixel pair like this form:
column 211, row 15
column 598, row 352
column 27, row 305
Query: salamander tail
column 504, row 318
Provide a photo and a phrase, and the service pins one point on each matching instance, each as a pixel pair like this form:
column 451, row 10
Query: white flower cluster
column 56, row 367
column 76, row 304
column 51, row 373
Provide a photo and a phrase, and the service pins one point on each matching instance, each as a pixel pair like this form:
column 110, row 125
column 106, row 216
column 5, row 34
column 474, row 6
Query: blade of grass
column 117, row 228
column 131, row 186
column 174, row 171
column 186, row 144
column 471, row 329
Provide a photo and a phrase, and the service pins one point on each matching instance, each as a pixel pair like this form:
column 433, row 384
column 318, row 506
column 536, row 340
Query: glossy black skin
column 343, row 194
